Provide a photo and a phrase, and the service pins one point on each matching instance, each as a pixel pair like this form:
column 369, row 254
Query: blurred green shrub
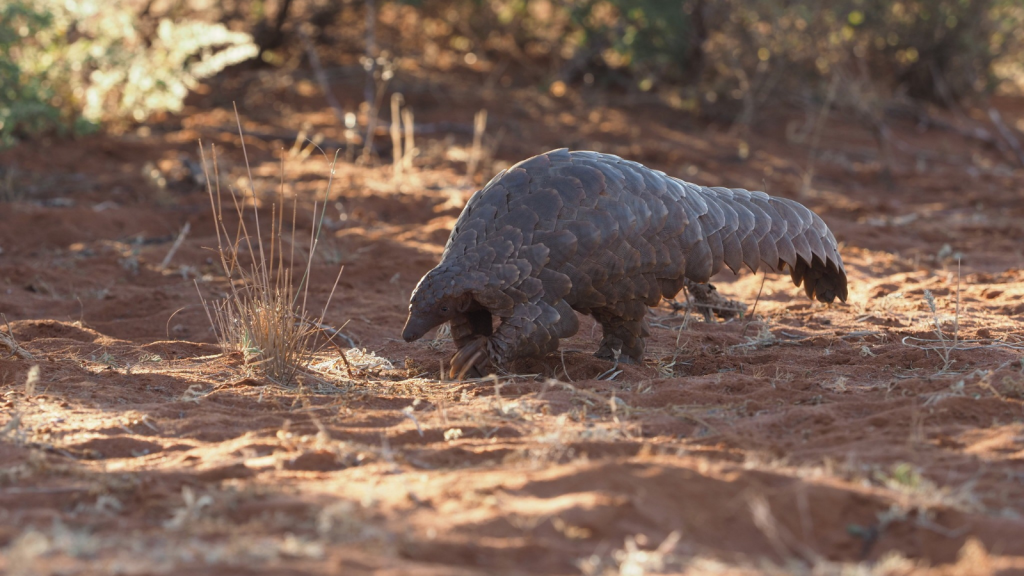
column 654, row 40
column 24, row 100
column 938, row 50
column 72, row 65
column 740, row 53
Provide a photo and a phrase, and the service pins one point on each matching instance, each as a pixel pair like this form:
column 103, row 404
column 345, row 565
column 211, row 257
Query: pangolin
column 567, row 232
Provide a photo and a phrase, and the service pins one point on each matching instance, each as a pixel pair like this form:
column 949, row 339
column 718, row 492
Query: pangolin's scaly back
column 599, row 230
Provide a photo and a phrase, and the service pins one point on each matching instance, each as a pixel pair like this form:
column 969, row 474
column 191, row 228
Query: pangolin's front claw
column 471, row 360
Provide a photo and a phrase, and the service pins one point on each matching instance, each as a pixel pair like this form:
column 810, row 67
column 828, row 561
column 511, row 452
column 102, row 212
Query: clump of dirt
column 886, row 431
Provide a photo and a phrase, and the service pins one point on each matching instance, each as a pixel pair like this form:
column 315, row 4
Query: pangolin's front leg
column 532, row 330
column 467, row 327
column 470, row 332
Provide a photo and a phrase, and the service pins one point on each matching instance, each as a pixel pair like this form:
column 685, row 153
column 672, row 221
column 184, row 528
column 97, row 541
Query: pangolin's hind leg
column 625, row 330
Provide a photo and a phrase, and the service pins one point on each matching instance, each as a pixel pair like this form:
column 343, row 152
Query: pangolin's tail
column 738, row 227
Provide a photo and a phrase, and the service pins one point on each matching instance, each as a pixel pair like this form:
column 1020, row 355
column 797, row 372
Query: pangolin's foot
column 624, row 331
column 612, row 350
column 471, row 361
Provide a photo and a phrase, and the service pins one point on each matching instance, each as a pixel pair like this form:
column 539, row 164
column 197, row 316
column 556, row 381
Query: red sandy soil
column 812, row 439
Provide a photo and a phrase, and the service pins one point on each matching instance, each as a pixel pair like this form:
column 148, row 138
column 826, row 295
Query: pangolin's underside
column 588, row 232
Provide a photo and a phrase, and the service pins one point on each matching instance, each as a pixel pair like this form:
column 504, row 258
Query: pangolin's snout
column 415, row 328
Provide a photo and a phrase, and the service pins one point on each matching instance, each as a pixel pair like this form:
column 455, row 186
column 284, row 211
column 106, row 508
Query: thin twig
column 564, row 369
column 410, row 134
column 956, row 318
column 334, row 332
column 479, row 126
column 177, row 244
column 396, row 135
column 1007, row 134
column 756, row 300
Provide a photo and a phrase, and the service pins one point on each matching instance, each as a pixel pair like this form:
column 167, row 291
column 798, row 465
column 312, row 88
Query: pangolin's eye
column 444, row 309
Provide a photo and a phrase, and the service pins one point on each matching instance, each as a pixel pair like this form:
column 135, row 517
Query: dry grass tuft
column 763, row 339
column 265, row 316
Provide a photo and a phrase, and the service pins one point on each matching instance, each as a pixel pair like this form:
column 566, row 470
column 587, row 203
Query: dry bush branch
column 321, row 76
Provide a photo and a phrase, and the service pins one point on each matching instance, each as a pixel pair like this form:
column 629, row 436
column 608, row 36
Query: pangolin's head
column 437, row 299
